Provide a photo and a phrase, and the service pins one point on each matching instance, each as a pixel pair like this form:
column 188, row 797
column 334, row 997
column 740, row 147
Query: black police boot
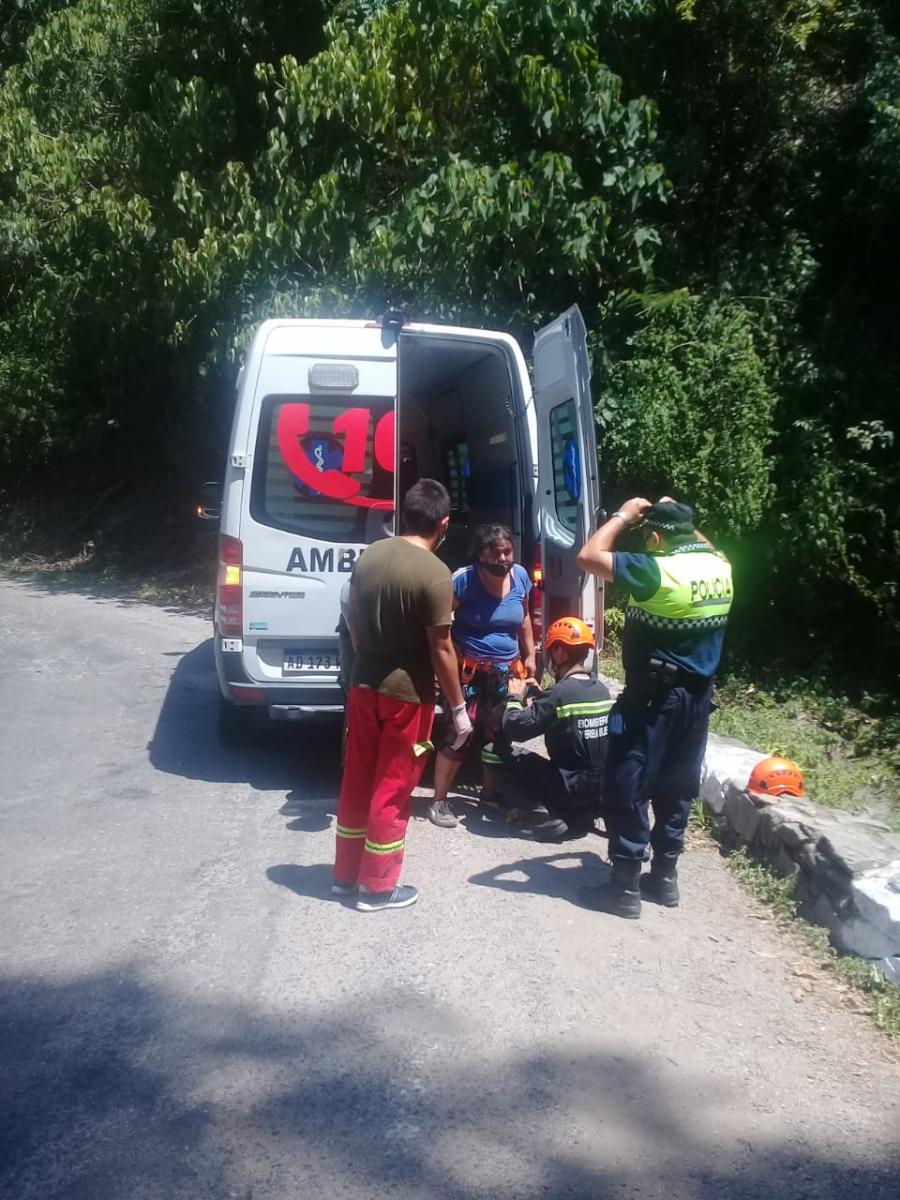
column 622, row 895
column 661, row 885
column 547, row 828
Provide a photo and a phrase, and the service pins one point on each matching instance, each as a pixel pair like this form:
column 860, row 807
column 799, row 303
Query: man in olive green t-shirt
column 400, row 612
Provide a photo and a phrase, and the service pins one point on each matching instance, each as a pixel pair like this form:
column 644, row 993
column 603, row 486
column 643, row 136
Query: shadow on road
column 302, row 759
column 313, row 881
column 550, row 875
column 117, row 1088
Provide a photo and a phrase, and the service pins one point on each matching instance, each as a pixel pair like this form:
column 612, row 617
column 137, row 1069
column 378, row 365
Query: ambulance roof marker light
column 333, row 377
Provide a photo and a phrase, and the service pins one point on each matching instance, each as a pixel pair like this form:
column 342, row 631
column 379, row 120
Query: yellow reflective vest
column 695, row 591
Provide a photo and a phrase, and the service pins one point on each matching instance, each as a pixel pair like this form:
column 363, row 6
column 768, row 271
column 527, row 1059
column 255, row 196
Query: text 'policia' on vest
column 695, row 590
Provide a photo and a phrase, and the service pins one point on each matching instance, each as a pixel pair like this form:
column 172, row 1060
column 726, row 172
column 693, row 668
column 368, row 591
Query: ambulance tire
column 237, row 724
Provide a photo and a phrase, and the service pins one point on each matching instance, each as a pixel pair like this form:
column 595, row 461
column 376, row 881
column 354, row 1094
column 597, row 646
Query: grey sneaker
column 440, row 813
column 401, row 897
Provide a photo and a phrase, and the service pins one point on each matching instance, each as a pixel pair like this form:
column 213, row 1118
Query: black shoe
column 544, row 825
column 661, row 885
column 580, row 824
column 551, row 830
column 622, row 895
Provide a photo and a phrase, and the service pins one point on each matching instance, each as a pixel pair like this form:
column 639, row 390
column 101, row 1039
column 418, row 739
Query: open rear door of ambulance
column 568, row 486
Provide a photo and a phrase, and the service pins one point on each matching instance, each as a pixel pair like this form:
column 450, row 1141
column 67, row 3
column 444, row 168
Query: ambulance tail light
column 537, row 594
column 230, row 597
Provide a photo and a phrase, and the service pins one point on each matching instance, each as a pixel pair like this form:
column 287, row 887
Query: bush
column 689, row 411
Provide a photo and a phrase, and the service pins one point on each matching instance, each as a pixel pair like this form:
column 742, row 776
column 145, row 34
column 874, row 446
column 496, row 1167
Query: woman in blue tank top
column 493, row 638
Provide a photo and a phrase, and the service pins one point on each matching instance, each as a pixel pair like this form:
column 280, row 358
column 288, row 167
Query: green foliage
column 882, row 154
column 168, row 171
column 776, row 891
column 487, row 160
column 689, row 410
column 108, row 103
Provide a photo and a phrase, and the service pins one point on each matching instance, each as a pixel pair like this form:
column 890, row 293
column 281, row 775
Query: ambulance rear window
column 566, row 464
column 324, row 466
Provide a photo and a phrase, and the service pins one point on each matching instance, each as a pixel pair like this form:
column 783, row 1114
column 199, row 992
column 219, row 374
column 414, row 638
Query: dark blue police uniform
column 672, row 642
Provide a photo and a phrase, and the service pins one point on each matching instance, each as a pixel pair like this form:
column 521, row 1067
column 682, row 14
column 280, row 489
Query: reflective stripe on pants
column 380, row 772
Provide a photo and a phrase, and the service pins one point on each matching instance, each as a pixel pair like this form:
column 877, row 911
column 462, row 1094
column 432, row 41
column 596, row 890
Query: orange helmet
column 775, row 776
column 569, row 631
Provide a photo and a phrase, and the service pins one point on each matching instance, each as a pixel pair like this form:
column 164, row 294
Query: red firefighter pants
column 381, row 769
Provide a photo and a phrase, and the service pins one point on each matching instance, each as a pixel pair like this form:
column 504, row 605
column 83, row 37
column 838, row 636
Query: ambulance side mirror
column 210, row 506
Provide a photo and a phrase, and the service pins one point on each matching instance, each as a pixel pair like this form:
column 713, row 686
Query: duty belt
column 661, row 675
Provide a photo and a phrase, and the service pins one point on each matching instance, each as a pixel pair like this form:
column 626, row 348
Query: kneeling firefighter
column 680, row 592
column 561, row 795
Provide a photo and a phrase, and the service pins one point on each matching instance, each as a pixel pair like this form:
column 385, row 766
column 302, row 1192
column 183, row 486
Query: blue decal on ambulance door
column 572, row 469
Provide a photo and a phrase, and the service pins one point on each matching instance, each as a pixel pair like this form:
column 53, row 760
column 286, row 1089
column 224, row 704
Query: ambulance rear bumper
column 288, row 700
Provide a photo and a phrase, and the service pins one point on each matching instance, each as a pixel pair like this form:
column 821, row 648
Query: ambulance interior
column 457, row 424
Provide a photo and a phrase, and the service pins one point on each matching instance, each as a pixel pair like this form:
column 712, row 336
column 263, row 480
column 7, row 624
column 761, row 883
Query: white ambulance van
column 334, row 421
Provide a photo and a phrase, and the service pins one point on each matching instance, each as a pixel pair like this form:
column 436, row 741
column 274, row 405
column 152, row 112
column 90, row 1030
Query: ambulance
column 334, row 421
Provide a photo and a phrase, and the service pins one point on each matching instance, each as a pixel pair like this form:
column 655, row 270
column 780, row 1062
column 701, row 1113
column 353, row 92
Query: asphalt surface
column 186, row 1012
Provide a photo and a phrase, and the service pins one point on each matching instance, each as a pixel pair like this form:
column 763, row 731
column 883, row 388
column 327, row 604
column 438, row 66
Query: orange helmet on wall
column 569, row 631
column 776, row 776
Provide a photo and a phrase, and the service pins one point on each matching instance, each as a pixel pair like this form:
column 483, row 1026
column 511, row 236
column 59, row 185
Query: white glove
column 462, row 726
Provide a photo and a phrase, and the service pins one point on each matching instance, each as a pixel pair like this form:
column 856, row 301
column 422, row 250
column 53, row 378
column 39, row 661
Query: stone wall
column 847, row 865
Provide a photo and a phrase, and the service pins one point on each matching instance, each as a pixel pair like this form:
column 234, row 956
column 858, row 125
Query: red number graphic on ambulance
column 353, row 425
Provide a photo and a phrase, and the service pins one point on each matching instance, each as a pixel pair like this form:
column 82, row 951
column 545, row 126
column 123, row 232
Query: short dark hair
column 424, row 507
column 488, row 535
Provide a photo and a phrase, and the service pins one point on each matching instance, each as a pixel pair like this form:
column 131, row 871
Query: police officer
column 680, row 592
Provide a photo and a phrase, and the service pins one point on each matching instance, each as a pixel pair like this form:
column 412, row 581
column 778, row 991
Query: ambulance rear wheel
column 237, row 724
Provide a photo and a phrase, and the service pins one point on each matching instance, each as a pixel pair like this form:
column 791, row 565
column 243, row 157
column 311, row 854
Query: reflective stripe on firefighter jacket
column 573, row 716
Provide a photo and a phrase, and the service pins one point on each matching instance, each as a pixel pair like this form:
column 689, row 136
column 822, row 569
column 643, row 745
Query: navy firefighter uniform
column 679, row 601
column 561, row 793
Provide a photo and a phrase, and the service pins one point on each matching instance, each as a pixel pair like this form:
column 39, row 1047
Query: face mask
column 500, row 569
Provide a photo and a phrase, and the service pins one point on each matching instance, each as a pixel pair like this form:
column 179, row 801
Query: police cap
column 669, row 518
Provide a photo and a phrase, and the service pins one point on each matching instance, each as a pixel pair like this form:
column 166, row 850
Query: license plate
column 297, row 662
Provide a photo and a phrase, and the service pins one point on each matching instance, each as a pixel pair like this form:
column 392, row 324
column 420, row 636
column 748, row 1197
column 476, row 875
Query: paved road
column 186, row 1012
